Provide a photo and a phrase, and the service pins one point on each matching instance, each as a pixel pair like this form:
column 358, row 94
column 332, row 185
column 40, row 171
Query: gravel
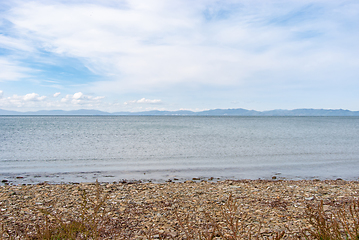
column 169, row 210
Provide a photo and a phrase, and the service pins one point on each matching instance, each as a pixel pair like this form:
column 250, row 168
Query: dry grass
column 328, row 225
column 90, row 223
column 87, row 226
column 232, row 225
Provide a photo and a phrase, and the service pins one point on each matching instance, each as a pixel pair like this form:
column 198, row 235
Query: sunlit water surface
column 157, row 148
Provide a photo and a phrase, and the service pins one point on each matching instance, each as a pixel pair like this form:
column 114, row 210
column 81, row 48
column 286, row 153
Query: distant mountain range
column 214, row 112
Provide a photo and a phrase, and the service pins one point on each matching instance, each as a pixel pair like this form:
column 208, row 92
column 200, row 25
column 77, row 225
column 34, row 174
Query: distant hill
column 6, row 112
column 213, row 112
column 311, row 112
column 73, row 112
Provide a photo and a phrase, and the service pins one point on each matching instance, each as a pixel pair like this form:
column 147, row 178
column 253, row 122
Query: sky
column 141, row 55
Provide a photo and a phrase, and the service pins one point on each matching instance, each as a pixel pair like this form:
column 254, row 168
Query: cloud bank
column 34, row 101
column 144, row 101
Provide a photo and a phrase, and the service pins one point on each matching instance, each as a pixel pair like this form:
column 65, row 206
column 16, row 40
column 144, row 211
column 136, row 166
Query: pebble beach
column 171, row 210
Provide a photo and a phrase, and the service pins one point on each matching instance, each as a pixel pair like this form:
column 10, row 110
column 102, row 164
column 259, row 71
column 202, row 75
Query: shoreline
column 32, row 178
column 137, row 207
column 45, row 179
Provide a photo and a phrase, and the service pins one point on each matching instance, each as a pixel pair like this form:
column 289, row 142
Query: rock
column 172, row 234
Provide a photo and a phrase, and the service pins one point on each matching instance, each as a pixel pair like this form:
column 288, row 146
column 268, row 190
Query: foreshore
column 170, row 210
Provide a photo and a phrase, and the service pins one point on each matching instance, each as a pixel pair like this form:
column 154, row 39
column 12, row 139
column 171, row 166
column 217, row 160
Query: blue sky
column 169, row 55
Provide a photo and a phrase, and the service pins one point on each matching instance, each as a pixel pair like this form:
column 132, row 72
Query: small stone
column 173, row 234
column 309, row 198
column 274, row 177
column 5, row 181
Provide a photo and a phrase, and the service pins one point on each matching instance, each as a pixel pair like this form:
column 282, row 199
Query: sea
column 72, row 149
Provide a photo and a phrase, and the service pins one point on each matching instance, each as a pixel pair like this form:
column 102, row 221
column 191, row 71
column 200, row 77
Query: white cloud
column 57, row 94
column 144, row 101
column 1, row 92
column 80, row 99
column 33, row 101
column 149, row 46
column 33, row 97
column 12, row 70
column 12, row 43
column 28, row 100
column 78, row 95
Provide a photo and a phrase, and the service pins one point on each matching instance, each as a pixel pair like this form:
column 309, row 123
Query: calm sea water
column 157, row 148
